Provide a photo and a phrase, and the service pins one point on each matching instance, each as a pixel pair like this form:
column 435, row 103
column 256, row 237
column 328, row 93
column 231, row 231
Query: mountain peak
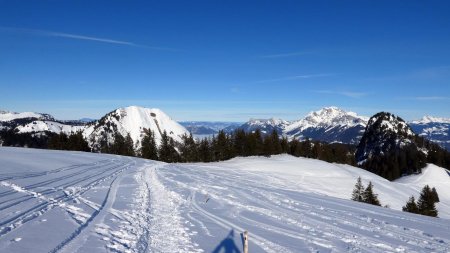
column 133, row 120
column 385, row 138
column 385, row 121
column 332, row 116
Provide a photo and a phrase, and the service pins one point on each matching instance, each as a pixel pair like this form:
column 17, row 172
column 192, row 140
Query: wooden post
column 245, row 241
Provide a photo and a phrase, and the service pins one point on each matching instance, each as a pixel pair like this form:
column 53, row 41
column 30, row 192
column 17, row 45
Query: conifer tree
column 259, row 145
column 222, row 147
column 357, row 194
column 149, row 149
column 426, row 202
column 77, row 142
column 167, row 151
column 369, row 196
column 118, row 145
column 284, row 143
column 435, row 195
column 411, row 206
column 188, row 149
column 239, row 142
column 128, row 146
column 204, row 149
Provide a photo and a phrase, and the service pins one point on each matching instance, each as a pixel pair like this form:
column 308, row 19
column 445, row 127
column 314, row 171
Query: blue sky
column 225, row 60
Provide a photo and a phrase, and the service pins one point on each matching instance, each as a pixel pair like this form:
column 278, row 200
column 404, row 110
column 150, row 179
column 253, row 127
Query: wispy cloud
column 289, row 78
column 350, row 94
column 82, row 37
column 428, row 98
column 283, row 55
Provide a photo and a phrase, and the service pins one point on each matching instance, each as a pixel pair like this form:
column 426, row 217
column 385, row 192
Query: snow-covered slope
column 8, row 116
column 133, row 120
column 434, row 129
column 51, row 126
column 57, row 201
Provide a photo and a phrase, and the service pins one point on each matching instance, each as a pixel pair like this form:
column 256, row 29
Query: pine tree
column 167, row 151
column 411, row 206
column 435, row 195
column 188, row 149
column 357, row 194
column 204, row 150
column 118, row 145
column 222, row 147
column 259, row 144
column 128, row 146
column 369, row 196
column 426, row 202
column 77, row 142
column 149, row 149
column 284, row 143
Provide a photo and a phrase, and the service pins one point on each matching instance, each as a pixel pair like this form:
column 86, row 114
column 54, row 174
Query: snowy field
column 56, row 201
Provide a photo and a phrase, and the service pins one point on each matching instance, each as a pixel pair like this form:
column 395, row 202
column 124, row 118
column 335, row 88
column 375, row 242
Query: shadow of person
column 227, row 245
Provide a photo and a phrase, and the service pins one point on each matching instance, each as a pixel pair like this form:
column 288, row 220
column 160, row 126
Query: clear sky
column 225, row 60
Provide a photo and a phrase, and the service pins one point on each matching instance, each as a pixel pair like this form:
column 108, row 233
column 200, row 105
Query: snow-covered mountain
column 133, row 120
column 206, row 128
column 434, row 129
column 6, row 116
column 51, row 126
column 266, row 126
column 330, row 124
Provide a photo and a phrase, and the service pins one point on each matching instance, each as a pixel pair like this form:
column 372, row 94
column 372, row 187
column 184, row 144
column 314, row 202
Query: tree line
column 225, row 146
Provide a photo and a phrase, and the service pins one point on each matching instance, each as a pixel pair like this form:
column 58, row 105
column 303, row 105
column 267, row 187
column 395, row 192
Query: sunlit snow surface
column 55, row 201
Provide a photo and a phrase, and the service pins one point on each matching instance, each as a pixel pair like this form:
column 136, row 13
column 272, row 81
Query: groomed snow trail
column 224, row 200
column 55, row 201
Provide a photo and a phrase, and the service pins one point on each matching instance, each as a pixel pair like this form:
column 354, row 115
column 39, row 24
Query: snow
column 328, row 117
column 55, row 127
column 8, row 116
column 61, row 201
column 133, row 120
column 430, row 119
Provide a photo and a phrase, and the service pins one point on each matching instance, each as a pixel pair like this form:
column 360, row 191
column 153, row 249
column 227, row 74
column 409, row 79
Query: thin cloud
column 283, row 55
column 350, row 94
column 431, row 98
column 289, row 78
column 82, row 37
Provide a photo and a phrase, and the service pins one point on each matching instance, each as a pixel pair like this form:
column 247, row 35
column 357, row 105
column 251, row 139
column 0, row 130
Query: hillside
column 55, row 201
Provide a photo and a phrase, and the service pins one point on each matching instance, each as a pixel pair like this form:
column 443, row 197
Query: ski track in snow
column 105, row 203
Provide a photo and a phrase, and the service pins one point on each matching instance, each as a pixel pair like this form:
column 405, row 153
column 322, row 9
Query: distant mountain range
column 329, row 124
column 207, row 128
column 332, row 124
column 434, row 129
